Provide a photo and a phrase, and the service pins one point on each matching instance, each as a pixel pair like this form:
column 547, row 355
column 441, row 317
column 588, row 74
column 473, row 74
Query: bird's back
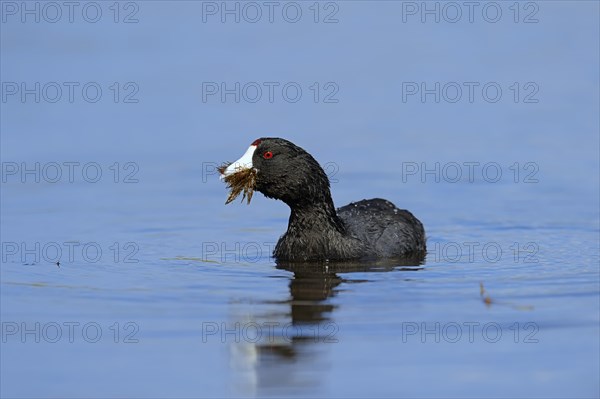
column 387, row 230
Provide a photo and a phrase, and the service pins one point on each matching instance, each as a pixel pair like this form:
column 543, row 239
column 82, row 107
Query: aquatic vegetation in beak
column 242, row 180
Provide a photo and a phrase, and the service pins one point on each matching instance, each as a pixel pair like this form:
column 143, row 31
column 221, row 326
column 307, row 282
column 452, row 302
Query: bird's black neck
column 315, row 232
column 317, row 220
column 315, row 215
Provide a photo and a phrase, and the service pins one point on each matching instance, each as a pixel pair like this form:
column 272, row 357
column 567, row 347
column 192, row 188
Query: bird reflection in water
column 279, row 361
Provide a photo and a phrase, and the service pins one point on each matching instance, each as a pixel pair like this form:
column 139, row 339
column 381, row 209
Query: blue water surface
column 163, row 291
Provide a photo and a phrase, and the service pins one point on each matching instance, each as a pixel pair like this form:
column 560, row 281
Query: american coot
column 372, row 228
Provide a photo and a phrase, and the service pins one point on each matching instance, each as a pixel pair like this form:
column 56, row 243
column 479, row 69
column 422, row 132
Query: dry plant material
column 243, row 180
column 486, row 298
column 488, row 301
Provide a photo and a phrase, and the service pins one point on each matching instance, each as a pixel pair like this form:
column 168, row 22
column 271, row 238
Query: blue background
column 193, row 261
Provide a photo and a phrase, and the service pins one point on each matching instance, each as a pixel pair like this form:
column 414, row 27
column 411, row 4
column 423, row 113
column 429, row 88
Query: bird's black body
column 390, row 231
column 372, row 228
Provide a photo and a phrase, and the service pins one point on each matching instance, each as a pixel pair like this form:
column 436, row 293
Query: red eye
column 268, row 155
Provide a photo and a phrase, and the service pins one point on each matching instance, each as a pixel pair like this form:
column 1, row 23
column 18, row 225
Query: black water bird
column 373, row 228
